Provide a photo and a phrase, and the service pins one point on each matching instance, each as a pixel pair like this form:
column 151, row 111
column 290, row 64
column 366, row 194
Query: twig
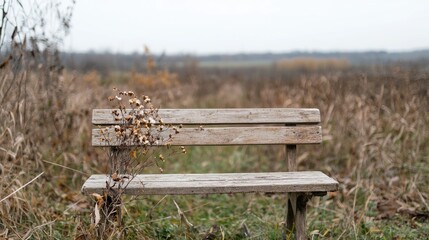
column 152, row 208
column 23, row 186
column 421, row 197
column 183, row 217
column 68, row 168
column 31, row 231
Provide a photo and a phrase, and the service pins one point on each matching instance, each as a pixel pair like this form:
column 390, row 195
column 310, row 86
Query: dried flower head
column 139, row 128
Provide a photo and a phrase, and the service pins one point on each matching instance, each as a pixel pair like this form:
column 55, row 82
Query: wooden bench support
column 290, row 215
column 295, row 214
column 301, row 210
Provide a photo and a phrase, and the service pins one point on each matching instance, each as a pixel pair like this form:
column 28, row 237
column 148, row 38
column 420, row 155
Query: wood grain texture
column 291, row 157
column 290, row 215
column 291, row 199
column 224, row 136
column 300, row 214
column 223, row 116
column 212, row 183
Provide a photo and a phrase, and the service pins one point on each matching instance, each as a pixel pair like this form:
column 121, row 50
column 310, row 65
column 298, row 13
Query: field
column 375, row 143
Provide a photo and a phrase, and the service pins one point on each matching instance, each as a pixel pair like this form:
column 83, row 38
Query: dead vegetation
column 376, row 144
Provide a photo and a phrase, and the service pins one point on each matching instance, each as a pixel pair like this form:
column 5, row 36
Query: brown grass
column 375, row 141
column 375, row 127
column 312, row 64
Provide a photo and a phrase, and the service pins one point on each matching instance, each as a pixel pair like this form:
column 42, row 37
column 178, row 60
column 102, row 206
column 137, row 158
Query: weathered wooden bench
column 253, row 126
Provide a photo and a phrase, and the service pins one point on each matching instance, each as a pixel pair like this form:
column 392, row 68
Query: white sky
column 234, row 26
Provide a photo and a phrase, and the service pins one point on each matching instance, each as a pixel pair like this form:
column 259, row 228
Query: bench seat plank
column 212, row 183
column 226, row 136
column 224, row 116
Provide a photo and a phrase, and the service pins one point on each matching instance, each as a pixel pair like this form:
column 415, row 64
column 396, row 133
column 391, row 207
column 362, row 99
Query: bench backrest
column 233, row 126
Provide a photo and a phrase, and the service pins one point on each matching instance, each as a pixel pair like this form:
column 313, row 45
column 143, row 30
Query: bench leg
column 295, row 215
column 301, row 210
column 290, row 215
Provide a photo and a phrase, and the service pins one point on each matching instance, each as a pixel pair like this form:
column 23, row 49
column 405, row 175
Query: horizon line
column 195, row 54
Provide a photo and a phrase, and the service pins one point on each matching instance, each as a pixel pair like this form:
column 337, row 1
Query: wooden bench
column 253, row 126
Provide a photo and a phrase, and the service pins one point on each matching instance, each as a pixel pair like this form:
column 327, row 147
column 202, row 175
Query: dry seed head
column 176, row 131
column 115, row 177
column 99, row 199
column 143, row 114
column 151, row 120
column 115, row 112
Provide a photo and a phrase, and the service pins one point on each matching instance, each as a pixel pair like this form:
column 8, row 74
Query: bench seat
column 212, row 183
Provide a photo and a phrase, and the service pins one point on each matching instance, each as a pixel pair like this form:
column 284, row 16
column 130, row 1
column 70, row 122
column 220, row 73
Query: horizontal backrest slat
column 225, row 136
column 224, row 116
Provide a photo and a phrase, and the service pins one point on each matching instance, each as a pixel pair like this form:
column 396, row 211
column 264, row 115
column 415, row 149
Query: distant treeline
column 106, row 62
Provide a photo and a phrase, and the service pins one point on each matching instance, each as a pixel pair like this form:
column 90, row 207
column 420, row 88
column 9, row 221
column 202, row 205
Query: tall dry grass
column 375, row 142
column 312, row 64
column 375, row 127
column 375, row 122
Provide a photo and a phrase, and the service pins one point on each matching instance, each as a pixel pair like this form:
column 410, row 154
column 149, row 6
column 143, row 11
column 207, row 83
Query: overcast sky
column 236, row 26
